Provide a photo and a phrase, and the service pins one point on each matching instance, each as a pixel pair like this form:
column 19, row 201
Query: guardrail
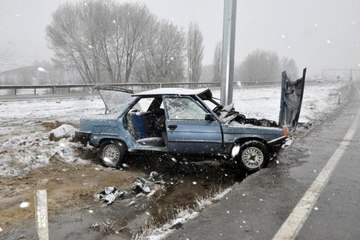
column 69, row 88
column 72, row 88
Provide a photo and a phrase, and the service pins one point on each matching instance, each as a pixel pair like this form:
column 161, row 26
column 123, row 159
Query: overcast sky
column 316, row 33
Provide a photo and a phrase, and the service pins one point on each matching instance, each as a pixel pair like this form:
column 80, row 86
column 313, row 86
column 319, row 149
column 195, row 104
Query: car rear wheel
column 112, row 153
column 253, row 155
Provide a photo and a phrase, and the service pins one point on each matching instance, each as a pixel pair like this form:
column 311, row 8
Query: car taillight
column 285, row 131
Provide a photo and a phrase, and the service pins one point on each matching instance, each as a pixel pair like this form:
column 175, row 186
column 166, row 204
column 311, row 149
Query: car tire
column 112, row 153
column 253, row 155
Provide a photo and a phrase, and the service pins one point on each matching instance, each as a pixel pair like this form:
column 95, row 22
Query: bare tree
column 195, row 52
column 102, row 39
column 67, row 37
column 289, row 65
column 163, row 55
column 137, row 24
column 5, row 58
column 217, row 63
column 260, row 66
column 206, row 73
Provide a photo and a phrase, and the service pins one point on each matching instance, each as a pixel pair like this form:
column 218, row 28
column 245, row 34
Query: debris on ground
column 147, row 186
column 141, row 187
column 64, row 131
column 109, row 195
column 109, row 226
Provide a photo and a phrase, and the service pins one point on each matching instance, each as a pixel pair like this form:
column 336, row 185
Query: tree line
column 258, row 66
column 108, row 41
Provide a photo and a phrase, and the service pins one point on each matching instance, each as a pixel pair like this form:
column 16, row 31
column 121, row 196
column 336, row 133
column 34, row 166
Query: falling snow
column 24, row 205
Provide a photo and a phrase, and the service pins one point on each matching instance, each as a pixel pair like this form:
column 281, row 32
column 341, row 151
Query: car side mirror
column 209, row 117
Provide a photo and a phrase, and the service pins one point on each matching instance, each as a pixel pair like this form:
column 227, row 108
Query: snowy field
column 25, row 142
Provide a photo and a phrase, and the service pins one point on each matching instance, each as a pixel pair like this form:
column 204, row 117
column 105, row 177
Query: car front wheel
column 253, row 155
column 112, row 153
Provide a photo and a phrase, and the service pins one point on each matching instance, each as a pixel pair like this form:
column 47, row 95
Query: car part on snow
column 112, row 153
column 291, row 99
column 142, row 185
column 109, row 195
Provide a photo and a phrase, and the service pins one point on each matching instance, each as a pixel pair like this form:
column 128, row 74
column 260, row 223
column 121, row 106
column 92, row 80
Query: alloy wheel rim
column 111, row 154
column 252, row 157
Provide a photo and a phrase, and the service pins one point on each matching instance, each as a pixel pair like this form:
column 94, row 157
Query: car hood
column 115, row 100
column 234, row 131
column 291, row 99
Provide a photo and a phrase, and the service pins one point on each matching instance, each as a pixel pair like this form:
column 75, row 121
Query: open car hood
column 291, row 99
column 114, row 98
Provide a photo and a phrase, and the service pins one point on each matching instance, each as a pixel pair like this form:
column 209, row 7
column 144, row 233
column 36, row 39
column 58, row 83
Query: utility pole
column 228, row 52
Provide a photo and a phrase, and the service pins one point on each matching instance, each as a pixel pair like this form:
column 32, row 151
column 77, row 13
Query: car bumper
column 277, row 142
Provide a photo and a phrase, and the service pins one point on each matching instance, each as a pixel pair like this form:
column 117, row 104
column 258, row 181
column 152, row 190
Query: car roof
column 173, row 91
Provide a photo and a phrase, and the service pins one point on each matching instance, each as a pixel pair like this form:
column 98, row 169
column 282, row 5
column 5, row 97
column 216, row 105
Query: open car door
column 291, row 99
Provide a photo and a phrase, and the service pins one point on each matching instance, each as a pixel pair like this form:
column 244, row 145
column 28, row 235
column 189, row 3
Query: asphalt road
column 313, row 193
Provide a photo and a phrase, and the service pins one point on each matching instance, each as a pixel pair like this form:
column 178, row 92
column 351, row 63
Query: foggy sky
column 316, row 33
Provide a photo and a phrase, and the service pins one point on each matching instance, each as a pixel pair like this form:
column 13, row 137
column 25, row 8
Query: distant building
column 29, row 75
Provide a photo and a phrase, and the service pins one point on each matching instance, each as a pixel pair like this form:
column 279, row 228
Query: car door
column 187, row 130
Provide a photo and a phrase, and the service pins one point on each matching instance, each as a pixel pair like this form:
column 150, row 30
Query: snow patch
column 23, row 153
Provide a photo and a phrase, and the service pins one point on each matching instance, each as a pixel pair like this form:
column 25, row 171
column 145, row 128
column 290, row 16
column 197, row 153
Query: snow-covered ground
column 24, row 139
column 25, row 143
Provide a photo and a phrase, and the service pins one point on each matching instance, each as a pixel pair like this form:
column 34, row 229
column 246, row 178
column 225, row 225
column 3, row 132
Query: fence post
column 41, row 214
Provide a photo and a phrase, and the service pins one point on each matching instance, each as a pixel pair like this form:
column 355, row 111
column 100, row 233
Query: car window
column 143, row 104
column 184, row 108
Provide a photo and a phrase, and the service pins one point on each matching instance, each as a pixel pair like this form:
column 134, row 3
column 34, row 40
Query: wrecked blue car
column 178, row 122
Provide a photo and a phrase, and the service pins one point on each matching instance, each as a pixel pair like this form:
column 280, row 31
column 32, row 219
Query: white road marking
column 298, row 216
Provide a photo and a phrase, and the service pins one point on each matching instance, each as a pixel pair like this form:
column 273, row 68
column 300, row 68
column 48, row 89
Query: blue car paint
column 194, row 136
column 233, row 134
